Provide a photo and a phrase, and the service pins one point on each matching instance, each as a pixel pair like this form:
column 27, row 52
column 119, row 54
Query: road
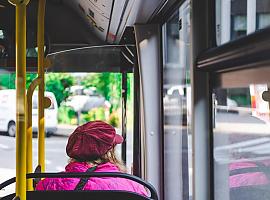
column 240, row 136
column 55, row 150
column 56, row 157
column 55, row 153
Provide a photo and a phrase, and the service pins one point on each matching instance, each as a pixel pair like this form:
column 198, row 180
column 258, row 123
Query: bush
column 92, row 115
column 66, row 115
column 114, row 119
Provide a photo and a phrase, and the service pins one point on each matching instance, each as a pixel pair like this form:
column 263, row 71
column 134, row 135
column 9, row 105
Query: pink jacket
column 106, row 183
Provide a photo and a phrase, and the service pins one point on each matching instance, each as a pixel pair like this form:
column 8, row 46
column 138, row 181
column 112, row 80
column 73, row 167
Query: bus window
column 238, row 18
column 176, row 102
column 241, row 143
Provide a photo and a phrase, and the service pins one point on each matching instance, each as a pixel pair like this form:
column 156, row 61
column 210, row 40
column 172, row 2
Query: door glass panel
column 176, row 101
column 241, row 122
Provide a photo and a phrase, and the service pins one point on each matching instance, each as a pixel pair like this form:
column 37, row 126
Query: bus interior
column 191, row 83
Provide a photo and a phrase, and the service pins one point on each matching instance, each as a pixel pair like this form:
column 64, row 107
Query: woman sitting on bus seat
column 91, row 148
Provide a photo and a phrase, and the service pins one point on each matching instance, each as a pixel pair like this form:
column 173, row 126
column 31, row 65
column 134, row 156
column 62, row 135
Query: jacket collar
column 83, row 166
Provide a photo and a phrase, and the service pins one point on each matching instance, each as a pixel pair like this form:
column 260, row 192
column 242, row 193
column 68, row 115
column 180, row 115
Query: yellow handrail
column 41, row 120
column 20, row 97
column 29, row 131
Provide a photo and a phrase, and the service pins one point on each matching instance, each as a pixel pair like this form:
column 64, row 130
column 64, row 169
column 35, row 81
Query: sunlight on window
column 1, row 34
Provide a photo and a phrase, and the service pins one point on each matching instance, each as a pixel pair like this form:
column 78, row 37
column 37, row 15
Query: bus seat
column 85, row 194
column 81, row 195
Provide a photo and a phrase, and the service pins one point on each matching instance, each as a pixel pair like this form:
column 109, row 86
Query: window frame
column 233, row 64
column 246, row 52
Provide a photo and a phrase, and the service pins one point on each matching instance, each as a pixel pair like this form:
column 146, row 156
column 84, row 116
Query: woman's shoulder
column 77, row 167
column 107, row 167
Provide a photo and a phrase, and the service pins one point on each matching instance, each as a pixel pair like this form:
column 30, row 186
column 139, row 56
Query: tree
column 54, row 82
column 7, row 80
column 107, row 84
column 30, row 78
column 57, row 83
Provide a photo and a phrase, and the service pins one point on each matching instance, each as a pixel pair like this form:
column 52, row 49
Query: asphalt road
column 55, row 153
column 56, row 158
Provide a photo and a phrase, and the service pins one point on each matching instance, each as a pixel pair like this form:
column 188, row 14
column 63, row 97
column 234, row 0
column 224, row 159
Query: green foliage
column 8, row 81
column 130, row 85
column 65, row 115
column 94, row 114
column 114, row 120
column 110, row 86
column 57, row 83
column 54, row 82
column 99, row 113
column 130, row 101
column 29, row 79
column 107, row 84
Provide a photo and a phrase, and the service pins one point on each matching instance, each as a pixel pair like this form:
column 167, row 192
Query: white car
column 8, row 113
column 177, row 104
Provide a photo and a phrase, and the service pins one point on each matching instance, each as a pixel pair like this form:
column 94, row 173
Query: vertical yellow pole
column 41, row 124
column 29, row 135
column 29, row 131
column 20, row 98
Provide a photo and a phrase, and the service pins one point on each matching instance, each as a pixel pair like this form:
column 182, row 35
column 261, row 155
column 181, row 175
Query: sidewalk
column 65, row 129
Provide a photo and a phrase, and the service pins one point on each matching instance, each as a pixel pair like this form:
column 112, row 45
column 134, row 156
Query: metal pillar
column 29, row 131
column 124, row 116
column 41, row 118
column 20, row 97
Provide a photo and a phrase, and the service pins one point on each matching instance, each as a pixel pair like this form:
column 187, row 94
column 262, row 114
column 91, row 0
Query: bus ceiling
column 61, row 26
column 100, row 22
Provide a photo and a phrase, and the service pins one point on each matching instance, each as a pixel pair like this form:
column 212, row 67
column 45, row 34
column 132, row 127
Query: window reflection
column 1, row 34
column 241, row 143
column 237, row 18
column 262, row 14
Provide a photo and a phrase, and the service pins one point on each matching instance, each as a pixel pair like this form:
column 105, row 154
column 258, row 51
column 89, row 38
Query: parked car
column 8, row 113
column 177, row 104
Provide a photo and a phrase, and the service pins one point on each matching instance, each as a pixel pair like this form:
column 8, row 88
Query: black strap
column 265, row 169
column 259, row 168
column 245, row 170
column 36, row 180
column 83, row 181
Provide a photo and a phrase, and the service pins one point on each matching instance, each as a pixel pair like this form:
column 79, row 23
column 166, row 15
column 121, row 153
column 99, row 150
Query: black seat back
column 81, row 195
column 85, row 194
